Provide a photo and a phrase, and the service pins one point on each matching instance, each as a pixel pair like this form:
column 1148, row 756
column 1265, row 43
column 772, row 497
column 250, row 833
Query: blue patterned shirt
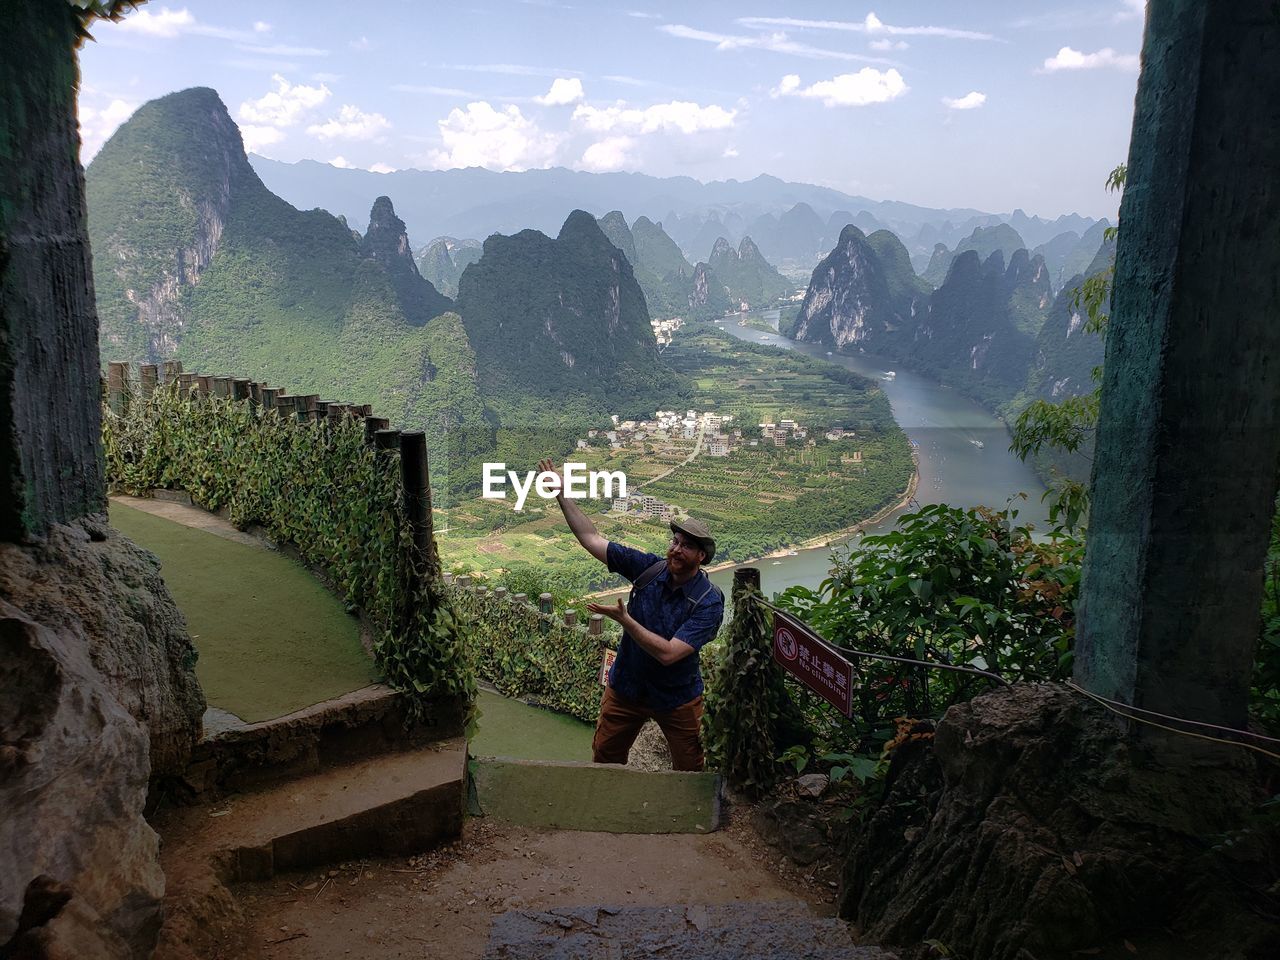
column 664, row 608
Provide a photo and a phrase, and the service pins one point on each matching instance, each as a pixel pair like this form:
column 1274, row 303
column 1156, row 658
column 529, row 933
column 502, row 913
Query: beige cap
column 698, row 532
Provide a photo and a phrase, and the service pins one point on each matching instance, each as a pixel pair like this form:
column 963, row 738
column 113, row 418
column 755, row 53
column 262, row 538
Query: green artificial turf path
column 271, row 638
column 587, row 796
column 509, row 728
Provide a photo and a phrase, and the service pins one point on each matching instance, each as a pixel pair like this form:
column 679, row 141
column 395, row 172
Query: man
column 674, row 609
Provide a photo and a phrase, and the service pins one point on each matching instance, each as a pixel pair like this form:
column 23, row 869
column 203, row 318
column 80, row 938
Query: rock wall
column 50, row 466
column 81, row 875
column 1031, row 828
column 85, row 581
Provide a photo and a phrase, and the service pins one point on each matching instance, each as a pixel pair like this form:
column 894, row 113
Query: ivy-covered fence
column 525, row 651
column 349, row 494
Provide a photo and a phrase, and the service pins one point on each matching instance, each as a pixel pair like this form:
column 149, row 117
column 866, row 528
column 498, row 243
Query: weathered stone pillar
column 1184, row 478
column 50, row 414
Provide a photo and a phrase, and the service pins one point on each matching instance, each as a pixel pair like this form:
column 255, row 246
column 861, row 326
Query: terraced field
column 756, row 499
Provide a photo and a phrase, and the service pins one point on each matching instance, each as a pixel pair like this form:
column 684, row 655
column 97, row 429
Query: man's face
column 683, row 554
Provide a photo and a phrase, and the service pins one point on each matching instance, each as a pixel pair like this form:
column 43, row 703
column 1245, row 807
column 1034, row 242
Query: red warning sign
column 813, row 661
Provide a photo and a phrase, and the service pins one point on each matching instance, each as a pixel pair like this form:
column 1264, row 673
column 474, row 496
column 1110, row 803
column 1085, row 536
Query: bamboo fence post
column 117, row 386
column 372, row 425
column 222, row 386
column 150, row 377
column 571, row 618
column 170, row 370
column 595, row 626
column 417, row 497
column 240, row 388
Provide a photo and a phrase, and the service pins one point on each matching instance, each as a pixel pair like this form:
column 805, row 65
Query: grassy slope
column 271, row 639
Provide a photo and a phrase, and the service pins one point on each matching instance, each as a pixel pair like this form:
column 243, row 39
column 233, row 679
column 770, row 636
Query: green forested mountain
column 561, row 330
column 975, row 333
column 194, row 258
column 859, row 298
column 984, row 241
column 977, row 330
column 443, row 260
column 746, row 274
column 671, row 287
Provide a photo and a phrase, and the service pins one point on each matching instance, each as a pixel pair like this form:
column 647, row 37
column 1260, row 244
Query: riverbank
column 826, row 539
column 812, row 543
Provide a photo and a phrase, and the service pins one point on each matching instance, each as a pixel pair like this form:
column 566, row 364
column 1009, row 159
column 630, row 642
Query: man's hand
column 618, row 613
column 665, row 651
column 546, row 465
column 581, row 526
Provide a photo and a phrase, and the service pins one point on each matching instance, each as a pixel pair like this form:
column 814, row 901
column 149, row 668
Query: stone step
column 565, row 795
column 740, row 931
column 236, row 756
column 393, row 804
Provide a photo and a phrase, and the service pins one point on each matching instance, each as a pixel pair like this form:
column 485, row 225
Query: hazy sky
column 982, row 103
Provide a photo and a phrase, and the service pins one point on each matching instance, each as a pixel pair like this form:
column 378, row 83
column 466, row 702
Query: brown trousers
column 620, row 722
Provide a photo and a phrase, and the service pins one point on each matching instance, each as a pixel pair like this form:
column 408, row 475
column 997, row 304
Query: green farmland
column 757, row 499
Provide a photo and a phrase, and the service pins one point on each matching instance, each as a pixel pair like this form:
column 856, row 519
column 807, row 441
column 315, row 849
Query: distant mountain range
column 992, row 327
column 789, row 222
column 195, row 258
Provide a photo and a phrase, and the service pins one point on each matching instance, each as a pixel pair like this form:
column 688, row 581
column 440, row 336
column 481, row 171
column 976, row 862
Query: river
column 946, row 429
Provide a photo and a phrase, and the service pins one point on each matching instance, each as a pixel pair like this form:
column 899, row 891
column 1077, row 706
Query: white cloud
column 161, row 22
column 284, row 106
column 1071, row 59
column 341, row 163
column 609, row 154
column 730, row 153
column 362, row 44
column 97, row 126
column 261, row 26
column 351, row 123
column 626, row 80
column 481, row 136
column 860, row 89
column 282, row 50
column 872, row 25
column 1133, row 10
column 681, row 115
column 382, row 168
column 776, row 42
column 512, row 69
column 166, row 24
column 563, row 91
column 883, row 44
column 970, row 101
column 256, row 137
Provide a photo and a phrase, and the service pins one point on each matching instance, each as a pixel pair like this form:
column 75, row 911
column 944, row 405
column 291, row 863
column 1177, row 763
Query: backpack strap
column 645, row 578
column 693, row 604
column 649, row 573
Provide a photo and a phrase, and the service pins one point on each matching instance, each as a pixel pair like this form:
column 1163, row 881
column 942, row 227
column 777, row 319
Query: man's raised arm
column 579, row 522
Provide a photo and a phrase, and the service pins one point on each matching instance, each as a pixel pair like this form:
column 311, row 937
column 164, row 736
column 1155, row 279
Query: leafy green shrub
column 319, row 487
column 750, row 717
column 526, row 654
column 964, row 587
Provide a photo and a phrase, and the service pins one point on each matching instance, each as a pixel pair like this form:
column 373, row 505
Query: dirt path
column 442, row 904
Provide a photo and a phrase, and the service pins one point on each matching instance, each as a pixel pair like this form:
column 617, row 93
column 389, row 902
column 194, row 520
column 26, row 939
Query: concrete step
column 394, row 804
column 740, row 931
column 564, row 795
column 236, row 756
